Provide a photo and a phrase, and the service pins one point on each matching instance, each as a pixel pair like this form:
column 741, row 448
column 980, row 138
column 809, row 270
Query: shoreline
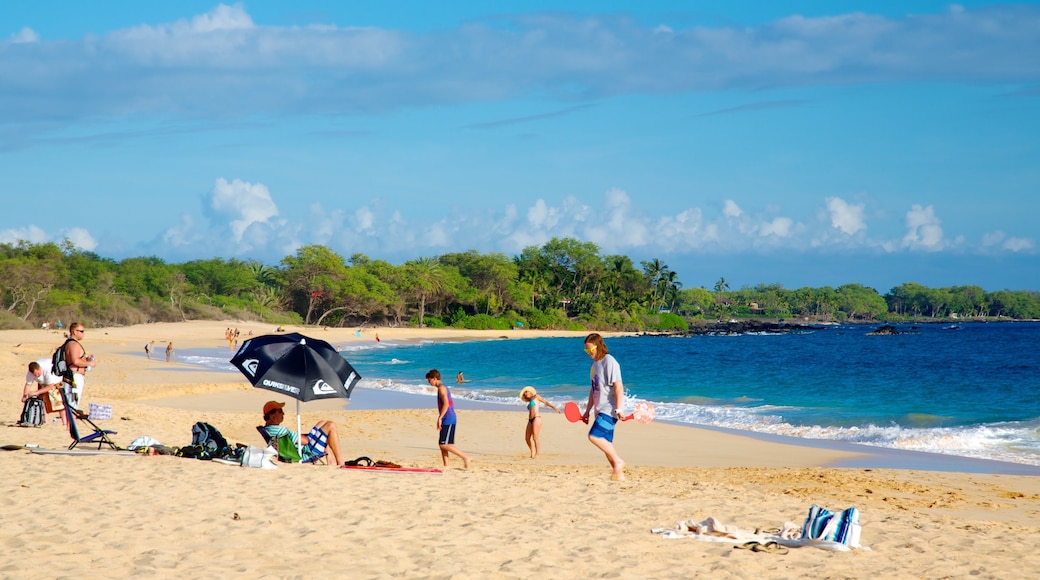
column 850, row 454
column 865, row 455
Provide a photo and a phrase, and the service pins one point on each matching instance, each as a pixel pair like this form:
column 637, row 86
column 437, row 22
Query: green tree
column 312, row 277
column 858, row 301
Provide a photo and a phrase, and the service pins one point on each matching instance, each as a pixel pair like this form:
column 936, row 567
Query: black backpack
column 59, row 366
column 207, row 442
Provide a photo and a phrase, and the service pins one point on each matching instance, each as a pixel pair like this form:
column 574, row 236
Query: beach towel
column 709, row 530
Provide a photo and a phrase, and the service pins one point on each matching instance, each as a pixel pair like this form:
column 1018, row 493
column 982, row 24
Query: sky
column 801, row 143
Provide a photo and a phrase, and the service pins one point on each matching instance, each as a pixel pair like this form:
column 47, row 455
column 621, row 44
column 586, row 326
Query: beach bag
column 258, row 457
column 98, row 412
column 827, row 526
column 32, row 413
column 54, row 400
column 207, row 437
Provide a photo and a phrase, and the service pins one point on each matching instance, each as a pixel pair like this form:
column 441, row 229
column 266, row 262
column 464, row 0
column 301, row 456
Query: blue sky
column 801, row 143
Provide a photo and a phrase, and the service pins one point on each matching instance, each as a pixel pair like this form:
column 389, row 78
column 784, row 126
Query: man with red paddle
column 606, row 396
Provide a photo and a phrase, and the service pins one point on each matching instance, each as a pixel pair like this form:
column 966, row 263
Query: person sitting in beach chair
column 99, row 436
column 323, row 438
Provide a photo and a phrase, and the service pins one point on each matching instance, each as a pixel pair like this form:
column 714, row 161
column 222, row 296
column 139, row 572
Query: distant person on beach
column 148, row 350
column 78, row 361
column 41, row 383
column 606, row 395
column 169, row 351
column 534, row 421
column 460, row 379
column 446, row 419
column 273, row 417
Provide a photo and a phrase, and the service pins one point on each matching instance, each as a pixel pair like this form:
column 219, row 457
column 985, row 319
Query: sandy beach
column 507, row 517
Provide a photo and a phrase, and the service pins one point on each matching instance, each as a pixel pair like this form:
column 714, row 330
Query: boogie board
column 392, row 469
column 82, row 452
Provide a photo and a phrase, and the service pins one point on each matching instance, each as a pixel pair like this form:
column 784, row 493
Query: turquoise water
column 972, row 389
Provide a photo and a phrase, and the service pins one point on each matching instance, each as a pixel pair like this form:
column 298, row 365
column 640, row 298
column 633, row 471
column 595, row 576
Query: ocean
column 971, row 389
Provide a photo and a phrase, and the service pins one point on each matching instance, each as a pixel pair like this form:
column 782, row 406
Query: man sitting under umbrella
column 273, row 417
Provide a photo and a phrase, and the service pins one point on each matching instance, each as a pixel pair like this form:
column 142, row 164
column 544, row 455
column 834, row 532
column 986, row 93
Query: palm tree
column 671, row 286
column 720, row 287
column 654, row 271
column 430, row 280
column 262, row 274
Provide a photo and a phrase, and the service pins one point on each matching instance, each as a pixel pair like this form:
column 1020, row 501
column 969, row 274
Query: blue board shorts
column 447, row 435
column 603, row 427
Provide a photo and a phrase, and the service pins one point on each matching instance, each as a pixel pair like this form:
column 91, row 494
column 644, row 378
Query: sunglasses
column 590, row 348
column 80, row 330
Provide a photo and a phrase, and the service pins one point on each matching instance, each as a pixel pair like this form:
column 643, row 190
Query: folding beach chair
column 99, row 436
column 317, row 441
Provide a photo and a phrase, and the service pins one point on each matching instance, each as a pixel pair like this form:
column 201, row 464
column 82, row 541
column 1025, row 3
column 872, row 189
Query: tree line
column 562, row 284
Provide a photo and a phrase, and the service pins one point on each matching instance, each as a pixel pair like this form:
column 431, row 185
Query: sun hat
column 271, row 406
column 527, row 390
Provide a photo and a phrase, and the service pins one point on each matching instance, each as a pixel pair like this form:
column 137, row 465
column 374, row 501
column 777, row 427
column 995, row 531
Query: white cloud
column 169, row 67
column 731, row 209
column 246, row 222
column 780, row 227
column 364, row 219
column 1018, row 244
column 540, row 216
column 923, row 229
column 222, row 17
column 183, row 235
column 998, row 240
column 81, row 238
column 32, row 233
column 991, row 239
column 681, row 231
column 244, row 203
column 617, row 225
column 24, row 35
column 844, row 216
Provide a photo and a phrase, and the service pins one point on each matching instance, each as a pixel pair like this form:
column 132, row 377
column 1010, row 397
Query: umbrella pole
column 299, row 432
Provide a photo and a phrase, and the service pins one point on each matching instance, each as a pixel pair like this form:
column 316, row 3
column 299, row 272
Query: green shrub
column 669, row 321
column 483, row 322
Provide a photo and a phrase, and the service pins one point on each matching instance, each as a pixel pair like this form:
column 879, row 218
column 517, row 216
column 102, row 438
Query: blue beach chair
column 99, row 436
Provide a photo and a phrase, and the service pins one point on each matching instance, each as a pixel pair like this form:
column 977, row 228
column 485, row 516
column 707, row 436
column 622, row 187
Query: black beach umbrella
column 297, row 366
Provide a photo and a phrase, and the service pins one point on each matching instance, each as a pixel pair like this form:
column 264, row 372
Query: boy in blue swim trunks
column 606, row 396
column 446, row 419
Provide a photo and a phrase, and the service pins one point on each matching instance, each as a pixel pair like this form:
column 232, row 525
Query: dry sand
column 506, row 517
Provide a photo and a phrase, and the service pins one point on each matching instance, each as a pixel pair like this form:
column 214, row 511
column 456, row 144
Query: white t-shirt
column 46, row 377
column 604, row 373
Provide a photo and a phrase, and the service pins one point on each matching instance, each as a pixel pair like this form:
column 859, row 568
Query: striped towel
column 317, row 441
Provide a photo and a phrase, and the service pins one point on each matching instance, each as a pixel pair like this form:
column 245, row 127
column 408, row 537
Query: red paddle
column 572, row 412
column 644, row 413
